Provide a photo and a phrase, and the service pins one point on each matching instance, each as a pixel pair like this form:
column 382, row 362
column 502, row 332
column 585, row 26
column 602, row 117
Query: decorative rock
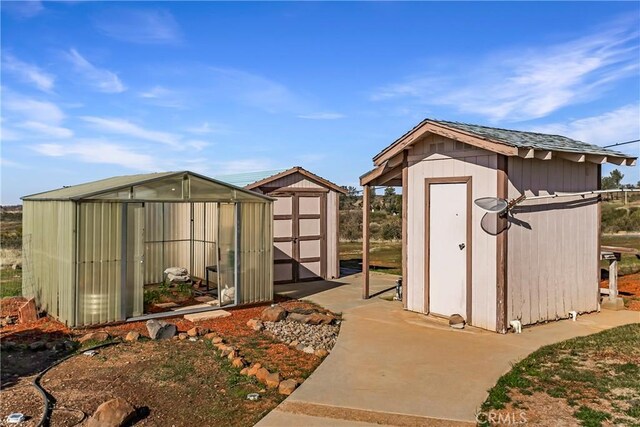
column 294, row 343
column 253, row 370
column 28, row 311
column 17, row 266
column 300, row 335
column 95, row 336
column 261, row 374
column 456, row 321
column 275, row 313
column 160, row 330
column 272, row 380
column 300, row 347
column 298, row 317
column 182, row 336
column 232, row 355
column 37, row 346
column 321, row 352
column 237, row 362
column 320, row 319
column 216, row 340
column 214, row 314
column 255, row 324
column 210, row 336
column 132, row 336
column 244, row 371
column 309, row 350
column 7, row 345
column 287, row 387
column 194, row 332
column 112, row 413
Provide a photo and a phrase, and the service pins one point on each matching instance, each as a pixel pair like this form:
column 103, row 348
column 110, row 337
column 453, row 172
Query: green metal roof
column 244, row 179
column 538, row 141
column 95, row 188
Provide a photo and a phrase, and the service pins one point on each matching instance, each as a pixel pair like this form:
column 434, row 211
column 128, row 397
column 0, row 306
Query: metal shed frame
column 86, row 227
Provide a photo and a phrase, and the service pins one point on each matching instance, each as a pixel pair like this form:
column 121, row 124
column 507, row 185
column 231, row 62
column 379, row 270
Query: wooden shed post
column 405, row 207
column 366, row 208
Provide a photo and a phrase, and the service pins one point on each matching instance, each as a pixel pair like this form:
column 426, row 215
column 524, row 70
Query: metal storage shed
column 89, row 249
column 537, row 264
column 306, row 221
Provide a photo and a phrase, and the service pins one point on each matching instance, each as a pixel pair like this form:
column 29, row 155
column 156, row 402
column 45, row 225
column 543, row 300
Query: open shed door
column 299, row 237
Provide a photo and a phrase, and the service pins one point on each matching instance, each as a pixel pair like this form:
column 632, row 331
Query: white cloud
column 255, row 90
column 32, row 109
column 23, row 9
column 528, row 83
column 28, row 73
column 99, row 151
column 125, row 127
column 622, row 124
column 197, row 144
column 139, row 26
column 45, row 130
column 322, row 116
column 206, row 128
column 101, row 79
column 162, row 97
column 242, row 165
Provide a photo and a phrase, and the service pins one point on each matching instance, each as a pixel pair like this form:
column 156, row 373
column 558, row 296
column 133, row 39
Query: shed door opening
column 448, row 249
column 298, row 232
column 135, row 235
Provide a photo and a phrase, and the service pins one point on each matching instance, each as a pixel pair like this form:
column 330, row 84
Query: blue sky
column 96, row 89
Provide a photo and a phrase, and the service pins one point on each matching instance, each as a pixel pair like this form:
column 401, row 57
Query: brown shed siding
column 435, row 157
column 552, row 242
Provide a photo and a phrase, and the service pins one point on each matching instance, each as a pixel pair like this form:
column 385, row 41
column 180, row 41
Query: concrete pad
column 191, row 307
column 166, row 304
column 204, row 298
column 393, row 361
column 615, row 305
column 207, row 315
column 283, row 419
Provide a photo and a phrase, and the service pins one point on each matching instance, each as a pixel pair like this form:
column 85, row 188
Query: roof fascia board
column 301, row 171
column 439, row 129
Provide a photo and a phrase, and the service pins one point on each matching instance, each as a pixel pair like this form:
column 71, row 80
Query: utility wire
column 621, row 143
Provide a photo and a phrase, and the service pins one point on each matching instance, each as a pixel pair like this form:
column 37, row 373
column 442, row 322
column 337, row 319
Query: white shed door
column 448, row 249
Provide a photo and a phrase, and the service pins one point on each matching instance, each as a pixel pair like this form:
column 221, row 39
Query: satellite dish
column 492, row 204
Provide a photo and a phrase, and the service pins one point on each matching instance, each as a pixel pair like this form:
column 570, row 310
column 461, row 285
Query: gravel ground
column 317, row 336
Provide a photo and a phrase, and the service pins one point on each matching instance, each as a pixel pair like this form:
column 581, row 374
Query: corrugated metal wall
column 256, row 253
column 54, row 258
column 99, row 263
column 48, row 256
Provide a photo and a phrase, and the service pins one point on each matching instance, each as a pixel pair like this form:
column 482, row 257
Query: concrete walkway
column 393, row 367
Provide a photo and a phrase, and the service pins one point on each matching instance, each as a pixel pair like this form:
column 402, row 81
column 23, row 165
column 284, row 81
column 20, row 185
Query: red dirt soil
column 255, row 346
column 628, row 284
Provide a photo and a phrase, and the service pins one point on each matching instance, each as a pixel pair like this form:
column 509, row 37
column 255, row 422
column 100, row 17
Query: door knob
column 461, row 246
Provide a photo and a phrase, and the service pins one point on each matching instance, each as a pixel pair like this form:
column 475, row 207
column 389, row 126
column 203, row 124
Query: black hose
column 46, row 413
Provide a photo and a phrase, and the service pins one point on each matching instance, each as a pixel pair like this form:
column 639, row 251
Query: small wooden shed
column 306, row 221
column 538, row 264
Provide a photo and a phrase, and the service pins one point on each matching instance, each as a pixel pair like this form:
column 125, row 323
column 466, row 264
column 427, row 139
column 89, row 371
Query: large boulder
column 160, row 330
column 132, row 336
column 272, row 380
column 255, row 324
column 287, row 387
column 275, row 313
column 100, row 336
column 112, row 413
column 314, row 318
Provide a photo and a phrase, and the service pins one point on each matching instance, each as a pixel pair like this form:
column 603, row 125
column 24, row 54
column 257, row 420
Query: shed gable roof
column 102, row 186
column 503, row 141
column 265, row 177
